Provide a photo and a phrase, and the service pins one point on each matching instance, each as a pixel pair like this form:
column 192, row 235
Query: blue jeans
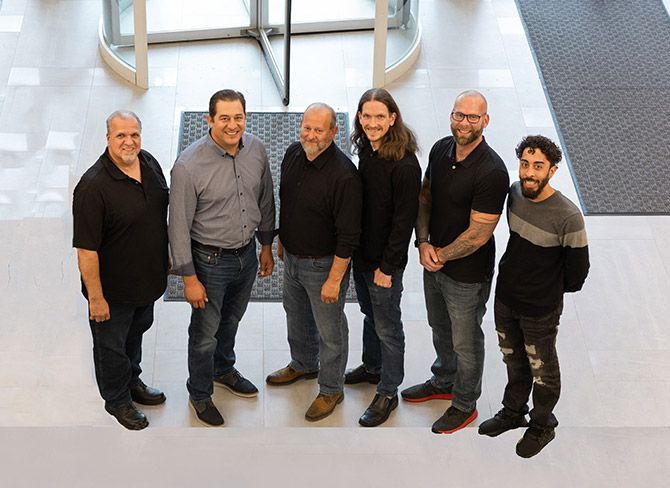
column 228, row 280
column 117, row 350
column 383, row 336
column 318, row 332
column 455, row 313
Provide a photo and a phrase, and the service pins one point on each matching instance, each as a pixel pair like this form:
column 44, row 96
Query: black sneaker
column 237, row 384
column 361, row 375
column 426, row 391
column 533, row 441
column 502, row 422
column 453, row 420
column 207, row 412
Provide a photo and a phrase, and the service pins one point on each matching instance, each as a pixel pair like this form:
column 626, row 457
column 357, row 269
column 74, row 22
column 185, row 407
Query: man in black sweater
column 391, row 183
column 546, row 256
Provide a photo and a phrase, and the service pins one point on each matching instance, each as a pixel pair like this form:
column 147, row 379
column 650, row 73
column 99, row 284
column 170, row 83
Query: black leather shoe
column 146, row 395
column 361, row 375
column 378, row 411
column 128, row 416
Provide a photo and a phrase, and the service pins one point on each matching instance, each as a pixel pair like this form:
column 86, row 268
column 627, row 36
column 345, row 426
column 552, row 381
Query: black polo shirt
column 320, row 203
column 480, row 182
column 390, row 206
column 126, row 223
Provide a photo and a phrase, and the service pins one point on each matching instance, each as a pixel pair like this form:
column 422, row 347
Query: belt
column 220, row 250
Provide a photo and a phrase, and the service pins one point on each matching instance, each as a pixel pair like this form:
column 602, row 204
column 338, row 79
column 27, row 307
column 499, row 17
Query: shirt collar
column 114, row 170
column 322, row 158
column 473, row 157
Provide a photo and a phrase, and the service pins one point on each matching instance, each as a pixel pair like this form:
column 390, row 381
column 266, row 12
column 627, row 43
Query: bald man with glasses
column 461, row 200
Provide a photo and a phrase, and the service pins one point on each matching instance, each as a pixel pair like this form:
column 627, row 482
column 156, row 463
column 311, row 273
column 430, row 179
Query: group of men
column 334, row 217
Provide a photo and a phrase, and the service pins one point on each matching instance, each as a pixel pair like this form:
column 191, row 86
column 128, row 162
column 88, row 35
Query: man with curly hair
column 546, row 256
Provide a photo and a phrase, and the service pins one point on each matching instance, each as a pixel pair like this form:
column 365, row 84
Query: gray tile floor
column 55, row 93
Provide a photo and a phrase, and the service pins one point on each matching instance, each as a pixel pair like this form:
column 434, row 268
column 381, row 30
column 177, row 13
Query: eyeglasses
column 472, row 118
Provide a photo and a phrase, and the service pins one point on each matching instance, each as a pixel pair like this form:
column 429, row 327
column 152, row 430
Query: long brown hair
column 398, row 141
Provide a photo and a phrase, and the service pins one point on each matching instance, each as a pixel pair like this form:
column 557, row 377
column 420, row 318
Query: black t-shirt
column 125, row 222
column 390, row 205
column 480, row 182
column 320, row 203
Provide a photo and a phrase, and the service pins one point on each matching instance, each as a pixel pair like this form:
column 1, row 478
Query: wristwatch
column 419, row 241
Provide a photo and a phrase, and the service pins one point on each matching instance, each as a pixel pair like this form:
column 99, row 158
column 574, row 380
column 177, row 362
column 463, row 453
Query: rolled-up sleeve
column 183, row 202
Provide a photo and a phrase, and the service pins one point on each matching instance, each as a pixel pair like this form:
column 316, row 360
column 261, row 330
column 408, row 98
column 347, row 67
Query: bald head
column 473, row 96
column 322, row 108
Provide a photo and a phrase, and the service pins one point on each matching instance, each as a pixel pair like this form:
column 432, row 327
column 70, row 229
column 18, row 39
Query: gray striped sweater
column 547, row 253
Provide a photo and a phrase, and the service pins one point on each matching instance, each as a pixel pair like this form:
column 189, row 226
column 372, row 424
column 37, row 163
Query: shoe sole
column 467, row 422
column 324, row 415
column 438, row 396
column 381, row 422
column 305, row 376
column 202, row 421
column 235, row 392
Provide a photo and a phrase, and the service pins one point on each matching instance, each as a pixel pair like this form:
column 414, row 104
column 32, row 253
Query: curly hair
column 544, row 144
column 398, row 141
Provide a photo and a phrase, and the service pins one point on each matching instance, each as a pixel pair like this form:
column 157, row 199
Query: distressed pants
column 528, row 346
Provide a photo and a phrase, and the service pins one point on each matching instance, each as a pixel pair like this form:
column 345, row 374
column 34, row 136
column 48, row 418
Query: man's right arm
column 89, row 267
column 183, row 202
column 427, row 254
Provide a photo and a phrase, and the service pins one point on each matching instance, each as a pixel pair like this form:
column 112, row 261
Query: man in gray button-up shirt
column 221, row 195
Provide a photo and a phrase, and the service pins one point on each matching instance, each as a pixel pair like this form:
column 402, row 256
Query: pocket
column 205, row 258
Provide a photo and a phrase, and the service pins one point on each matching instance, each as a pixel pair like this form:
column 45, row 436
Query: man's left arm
column 266, row 228
column 576, row 252
column 406, row 184
column 347, row 205
column 487, row 205
column 475, row 236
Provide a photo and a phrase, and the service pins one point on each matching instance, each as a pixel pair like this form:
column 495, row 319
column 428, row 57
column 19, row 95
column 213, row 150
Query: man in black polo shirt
column 120, row 232
column 463, row 194
column 319, row 228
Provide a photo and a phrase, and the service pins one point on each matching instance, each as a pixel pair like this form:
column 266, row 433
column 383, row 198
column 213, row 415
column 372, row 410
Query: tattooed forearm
column 468, row 242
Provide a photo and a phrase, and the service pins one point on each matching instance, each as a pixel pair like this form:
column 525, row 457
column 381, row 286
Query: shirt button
column 453, row 167
column 242, row 210
column 240, row 193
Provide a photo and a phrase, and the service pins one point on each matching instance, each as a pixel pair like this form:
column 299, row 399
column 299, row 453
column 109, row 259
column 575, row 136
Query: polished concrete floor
column 55, row 93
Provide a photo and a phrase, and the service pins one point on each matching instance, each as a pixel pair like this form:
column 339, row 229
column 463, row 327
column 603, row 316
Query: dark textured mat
column 277, row 130
column 606, row 69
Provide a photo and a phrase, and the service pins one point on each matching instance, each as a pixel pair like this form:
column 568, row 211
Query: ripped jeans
column 528, row 346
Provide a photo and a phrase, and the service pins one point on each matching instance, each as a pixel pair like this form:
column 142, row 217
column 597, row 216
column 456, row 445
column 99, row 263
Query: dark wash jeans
column 383, row 336
column 528, row 346
column 228, row 280
column 318, row 332
column 117, row 350
column 455, row 313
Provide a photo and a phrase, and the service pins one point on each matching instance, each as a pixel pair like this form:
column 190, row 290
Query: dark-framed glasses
column 472, row 118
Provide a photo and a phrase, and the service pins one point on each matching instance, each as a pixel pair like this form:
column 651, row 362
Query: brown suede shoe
column 323, row 406
column 288, row 375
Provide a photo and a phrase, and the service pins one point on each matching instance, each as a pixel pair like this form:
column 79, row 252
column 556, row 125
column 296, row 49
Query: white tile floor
column 55, row 93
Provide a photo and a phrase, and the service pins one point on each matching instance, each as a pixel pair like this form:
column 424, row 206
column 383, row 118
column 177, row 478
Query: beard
column 533, row 194
column 465, row 140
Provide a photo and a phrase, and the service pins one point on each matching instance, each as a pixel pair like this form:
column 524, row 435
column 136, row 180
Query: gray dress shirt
column 218, row 199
